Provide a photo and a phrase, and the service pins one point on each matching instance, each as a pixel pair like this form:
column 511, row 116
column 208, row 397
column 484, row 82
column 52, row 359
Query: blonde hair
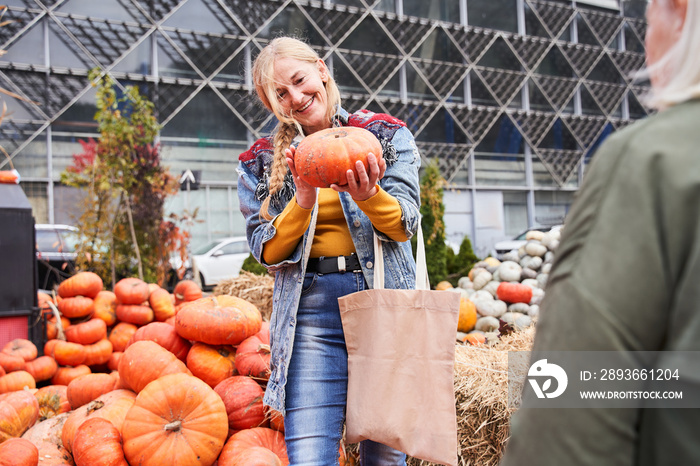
column 680, row 64
column 288, row 127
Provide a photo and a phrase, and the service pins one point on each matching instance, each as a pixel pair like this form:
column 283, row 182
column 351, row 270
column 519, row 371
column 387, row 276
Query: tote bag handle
column 422, row 281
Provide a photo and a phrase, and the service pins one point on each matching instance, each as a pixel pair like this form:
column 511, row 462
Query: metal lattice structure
column 559, row 82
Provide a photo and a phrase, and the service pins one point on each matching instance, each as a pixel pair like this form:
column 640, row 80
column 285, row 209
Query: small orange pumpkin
column 68, row 354
column 42, row 368
column 81, row 284
column 253, row 354
column 53, row 400
column 145, row 361
column 76, row 307
column 121, row 334
column 162, row 304
column 212, row 364
column 243, row 399
column 12, row 362
column 18, row 452
column 87, row 333
column 467, row 315
column 324, row 157
column 105, row 307
column 16, row 380
column 136, row 314
column 18, row 412
column 186, row 291
column 250, row 438
column 97, row 441
column 98, row 353
column 64, row 375
column 131, row 291
column 21, row 347
column 88, row 387
column 514, row 293
column 166, row 336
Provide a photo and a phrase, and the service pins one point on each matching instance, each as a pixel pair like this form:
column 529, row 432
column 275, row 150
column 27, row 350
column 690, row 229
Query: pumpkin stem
column 173, row 426
column 264, row 348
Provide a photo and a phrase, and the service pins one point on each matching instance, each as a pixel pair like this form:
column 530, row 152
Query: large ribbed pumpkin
column 176, row 419
column 324, row 157
column 218, row 320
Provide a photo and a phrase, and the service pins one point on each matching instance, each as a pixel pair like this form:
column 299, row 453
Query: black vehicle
column 55, row 254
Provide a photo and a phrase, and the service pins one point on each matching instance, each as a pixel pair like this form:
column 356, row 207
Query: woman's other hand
column 364, row 185
column 306, row 194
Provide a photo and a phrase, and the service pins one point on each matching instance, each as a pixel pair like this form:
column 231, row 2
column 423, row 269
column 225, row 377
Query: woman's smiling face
column 301, row 92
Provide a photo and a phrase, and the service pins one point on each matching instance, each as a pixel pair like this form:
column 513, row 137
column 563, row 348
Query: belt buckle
column 341, row 264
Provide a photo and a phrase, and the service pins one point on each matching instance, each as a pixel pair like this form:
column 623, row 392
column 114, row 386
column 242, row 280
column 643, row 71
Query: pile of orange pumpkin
column 139, row 376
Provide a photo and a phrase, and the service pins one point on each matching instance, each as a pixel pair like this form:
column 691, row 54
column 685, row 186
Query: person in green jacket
column 626, row 277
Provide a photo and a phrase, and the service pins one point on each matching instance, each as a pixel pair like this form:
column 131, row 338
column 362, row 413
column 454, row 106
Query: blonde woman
column 309, row 359
column 625, row 278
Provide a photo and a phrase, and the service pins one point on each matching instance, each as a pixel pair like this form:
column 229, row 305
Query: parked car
column 504, row 247
column 55, row 253
column 215, row 261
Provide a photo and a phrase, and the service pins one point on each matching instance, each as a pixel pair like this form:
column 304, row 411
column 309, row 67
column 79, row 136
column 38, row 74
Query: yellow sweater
column 332, row 237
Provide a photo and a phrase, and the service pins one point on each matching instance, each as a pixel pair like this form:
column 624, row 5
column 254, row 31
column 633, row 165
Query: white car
column 217, row 261
column 504, row 247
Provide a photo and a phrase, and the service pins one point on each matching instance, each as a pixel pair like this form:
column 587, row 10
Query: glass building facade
column 509, row 97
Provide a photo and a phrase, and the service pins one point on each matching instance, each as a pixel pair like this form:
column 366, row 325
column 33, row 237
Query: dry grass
column 254, row 288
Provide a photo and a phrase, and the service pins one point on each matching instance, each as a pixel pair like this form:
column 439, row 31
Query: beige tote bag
column 401, row 350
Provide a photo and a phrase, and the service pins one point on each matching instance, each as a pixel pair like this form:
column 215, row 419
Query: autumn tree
column 121, row 216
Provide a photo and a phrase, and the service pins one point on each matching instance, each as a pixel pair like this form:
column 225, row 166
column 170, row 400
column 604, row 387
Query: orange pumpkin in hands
column 324, row 157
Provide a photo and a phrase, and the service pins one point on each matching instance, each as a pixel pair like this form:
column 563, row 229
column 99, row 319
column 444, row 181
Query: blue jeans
column 317, row 382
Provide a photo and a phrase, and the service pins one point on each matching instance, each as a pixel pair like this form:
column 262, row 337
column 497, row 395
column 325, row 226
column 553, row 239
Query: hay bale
column 256, row 289
column 481, row 392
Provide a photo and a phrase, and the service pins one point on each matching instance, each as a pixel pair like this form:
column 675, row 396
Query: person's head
column 294, row 83
column 672, row 46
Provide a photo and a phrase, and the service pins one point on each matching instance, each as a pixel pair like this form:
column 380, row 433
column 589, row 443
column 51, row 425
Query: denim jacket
column 400, row 180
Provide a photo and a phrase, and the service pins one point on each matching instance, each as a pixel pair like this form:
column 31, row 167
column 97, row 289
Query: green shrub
column 459, row 265
column 253, row 266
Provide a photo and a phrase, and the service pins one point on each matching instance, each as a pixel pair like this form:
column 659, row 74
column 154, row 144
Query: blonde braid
column 281, row 141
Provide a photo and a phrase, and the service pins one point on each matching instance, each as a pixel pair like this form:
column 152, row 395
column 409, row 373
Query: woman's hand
column 306, row 194
column 364, row 185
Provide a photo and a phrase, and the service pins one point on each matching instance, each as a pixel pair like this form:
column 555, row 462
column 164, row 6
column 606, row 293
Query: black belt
column 337, row 264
